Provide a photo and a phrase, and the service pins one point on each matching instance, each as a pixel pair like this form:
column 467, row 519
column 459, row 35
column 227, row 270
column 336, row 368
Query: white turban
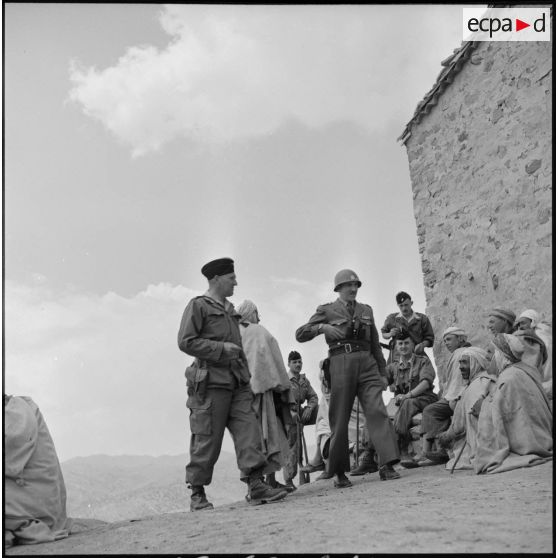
column 532, row 315
column 455, row 331
column 479, row 360
column 246, row 309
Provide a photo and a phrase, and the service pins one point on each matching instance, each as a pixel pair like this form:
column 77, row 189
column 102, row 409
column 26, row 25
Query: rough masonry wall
column 481, row 173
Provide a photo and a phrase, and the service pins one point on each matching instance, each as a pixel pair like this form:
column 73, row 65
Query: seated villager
column 302, row 392
column 417, row 325
column 530, row 319
column 411, row 379
column 500, row 320
column 323, row 432
column 460, row 438
column 436, row 417
column 34, row 489
column 271, row 387
column 515, row 420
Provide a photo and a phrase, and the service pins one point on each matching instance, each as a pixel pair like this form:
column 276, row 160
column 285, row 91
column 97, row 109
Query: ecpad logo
column 506, row 24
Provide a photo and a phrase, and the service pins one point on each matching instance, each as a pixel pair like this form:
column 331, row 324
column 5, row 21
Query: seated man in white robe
column 35, row 493
column 323, row 432
column 531, row 320
column 460, row 438
column 515, row 426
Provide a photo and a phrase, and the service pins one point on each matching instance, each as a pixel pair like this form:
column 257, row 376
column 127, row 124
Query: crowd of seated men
column 493, row 408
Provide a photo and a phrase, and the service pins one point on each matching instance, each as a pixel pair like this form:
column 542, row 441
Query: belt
column 340, row 347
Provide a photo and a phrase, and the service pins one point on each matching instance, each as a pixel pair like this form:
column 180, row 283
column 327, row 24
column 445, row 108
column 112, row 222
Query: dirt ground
column 427, row 510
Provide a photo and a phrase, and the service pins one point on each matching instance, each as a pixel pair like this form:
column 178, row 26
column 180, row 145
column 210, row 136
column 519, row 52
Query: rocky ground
column 427, row 510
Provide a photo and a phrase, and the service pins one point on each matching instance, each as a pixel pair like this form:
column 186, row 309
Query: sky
column 142, row 141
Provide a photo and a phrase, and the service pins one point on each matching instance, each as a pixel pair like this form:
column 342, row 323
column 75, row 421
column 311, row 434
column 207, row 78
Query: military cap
column 222, row 266
column 504, row 314
column 294, row 355
column 402, row 296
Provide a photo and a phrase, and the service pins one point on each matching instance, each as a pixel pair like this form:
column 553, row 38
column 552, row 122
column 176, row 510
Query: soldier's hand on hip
column 231, row 350
column 419, row 349
column 332, row 332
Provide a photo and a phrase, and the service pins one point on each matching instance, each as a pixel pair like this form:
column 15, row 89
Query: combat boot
column 261, row 493
column 367, row 464
column 198, row 500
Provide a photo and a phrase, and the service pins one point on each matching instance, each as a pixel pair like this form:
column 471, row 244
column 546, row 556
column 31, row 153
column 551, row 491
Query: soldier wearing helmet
column 357, row 368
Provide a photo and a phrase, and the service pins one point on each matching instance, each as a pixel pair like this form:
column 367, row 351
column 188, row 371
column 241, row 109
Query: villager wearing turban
column 437, row 416
column 271, row 387
column 530, row 319
column 501, row 320
column 417, row 325
column 473, row 363
column 515, row 420
column 219, row 393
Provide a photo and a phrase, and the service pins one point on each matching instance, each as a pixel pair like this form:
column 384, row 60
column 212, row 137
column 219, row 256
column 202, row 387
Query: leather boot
column 341, row 481
column 367, row 464
column 274, row 483
column 387, row 472
column 260, row 493
column 198, row 500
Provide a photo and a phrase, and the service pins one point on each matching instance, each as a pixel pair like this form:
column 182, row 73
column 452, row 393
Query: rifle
column 357, row 432
column 303, row 477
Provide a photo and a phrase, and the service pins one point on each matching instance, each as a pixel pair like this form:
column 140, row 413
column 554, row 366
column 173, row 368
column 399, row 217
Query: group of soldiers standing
column 238, row 381
column 219, row 393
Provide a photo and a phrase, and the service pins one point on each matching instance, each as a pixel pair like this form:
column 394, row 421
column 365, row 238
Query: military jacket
column 337, row 314
column 405, row 376
column 419, row 329
column 302, row 391
column 206, row 325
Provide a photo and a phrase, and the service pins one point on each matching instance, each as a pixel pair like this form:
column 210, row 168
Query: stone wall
column 481, row 173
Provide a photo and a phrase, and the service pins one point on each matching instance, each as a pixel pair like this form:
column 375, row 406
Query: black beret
column 222, row 266
column 294, row 355
column 401, row 296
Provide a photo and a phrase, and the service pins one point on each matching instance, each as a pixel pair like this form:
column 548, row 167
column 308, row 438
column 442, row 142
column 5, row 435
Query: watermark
column 506, row 24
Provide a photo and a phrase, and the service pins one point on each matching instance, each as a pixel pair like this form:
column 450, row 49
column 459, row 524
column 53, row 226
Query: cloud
column 105, row 370
column 232, row 72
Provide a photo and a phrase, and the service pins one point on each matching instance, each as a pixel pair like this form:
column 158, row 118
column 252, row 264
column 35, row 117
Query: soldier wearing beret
column 357, row 368
column 415, row 324
column 219, row 393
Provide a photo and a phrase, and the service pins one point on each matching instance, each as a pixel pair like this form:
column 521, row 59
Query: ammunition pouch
column 196, row 380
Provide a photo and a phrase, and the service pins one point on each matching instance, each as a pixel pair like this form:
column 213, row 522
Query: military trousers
column 357, row 374
column 220, row 409
column 295, row 446
column 408, row 408
column 436, row 419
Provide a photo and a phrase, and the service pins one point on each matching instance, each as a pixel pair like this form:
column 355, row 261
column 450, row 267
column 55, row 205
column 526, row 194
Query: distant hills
column 115, row 488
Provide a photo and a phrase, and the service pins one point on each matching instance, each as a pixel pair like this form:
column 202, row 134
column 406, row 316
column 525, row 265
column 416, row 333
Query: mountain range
column 115, row 488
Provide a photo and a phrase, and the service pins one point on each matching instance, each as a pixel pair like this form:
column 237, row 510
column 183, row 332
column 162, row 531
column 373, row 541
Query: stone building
column 480, row 157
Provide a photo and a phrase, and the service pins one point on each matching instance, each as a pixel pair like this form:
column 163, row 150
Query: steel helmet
column 345, row 276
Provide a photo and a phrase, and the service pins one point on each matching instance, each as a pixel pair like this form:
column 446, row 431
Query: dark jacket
column 206, row 325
